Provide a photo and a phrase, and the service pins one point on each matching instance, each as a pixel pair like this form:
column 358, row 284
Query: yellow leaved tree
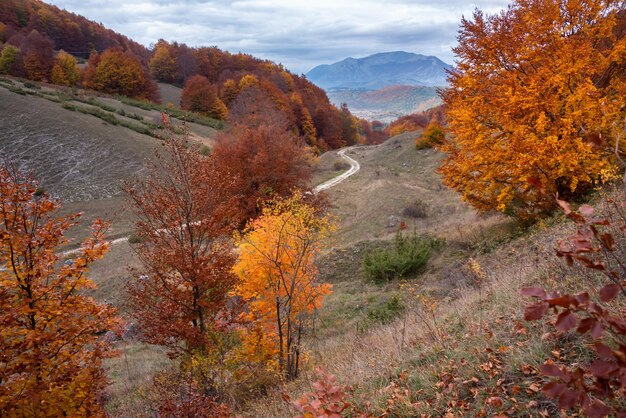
column 278, row 280
column 535, row 102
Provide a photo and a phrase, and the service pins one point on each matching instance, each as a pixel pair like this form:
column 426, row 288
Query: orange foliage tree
column 185, row 210
column 533, row 104
column 199, row 95
column 37, row 56
column 118, row 72
column 278, row 280
column 266, row 161
column 163, row 62
column 51, row 345
column 65, row 72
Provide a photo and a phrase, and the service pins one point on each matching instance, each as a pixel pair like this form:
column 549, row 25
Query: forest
column 229, row 242
column 42, row 42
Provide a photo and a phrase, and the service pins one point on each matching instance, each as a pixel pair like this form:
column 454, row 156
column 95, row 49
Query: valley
column 211, row 231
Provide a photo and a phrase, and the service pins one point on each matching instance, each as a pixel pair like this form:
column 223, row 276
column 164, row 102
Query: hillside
column 381, row 70
column 32, row 34
column 387, row 103
column 68, row 31
column 82, row 146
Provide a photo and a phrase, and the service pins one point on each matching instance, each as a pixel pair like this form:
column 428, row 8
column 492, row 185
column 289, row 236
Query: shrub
column 205, row 150
column 328, row 399
column 30, row 85
column 388, row 310
column 134, row 239
column 408, row 256
column 341, row 166
column 415, row 210
column 598, row 245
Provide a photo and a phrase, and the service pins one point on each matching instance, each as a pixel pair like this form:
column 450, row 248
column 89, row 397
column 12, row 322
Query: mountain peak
column 380, row 70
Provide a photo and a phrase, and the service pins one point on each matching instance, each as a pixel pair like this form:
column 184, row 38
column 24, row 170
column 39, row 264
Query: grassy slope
column 472, row 348
column 79, row 157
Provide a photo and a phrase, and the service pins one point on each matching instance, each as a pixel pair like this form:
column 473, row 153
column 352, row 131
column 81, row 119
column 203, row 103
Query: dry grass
column 131, row 377
column 480, row 334
column 393, row 175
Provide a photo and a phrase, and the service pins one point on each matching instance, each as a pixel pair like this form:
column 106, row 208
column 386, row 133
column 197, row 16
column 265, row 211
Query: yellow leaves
column 65, row 72
column 277, row 273
column 526, row 102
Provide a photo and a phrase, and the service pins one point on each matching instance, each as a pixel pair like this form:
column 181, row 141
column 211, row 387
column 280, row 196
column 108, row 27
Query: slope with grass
column 81, row 146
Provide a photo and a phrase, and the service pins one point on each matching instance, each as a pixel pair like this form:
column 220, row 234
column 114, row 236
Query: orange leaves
column 51, row 352
column 119, row 72
column 202, row 97
column 65, row 72
column 526, row 102
column 278, row 276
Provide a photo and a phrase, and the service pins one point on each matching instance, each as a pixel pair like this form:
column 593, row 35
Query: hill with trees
column 32, row 33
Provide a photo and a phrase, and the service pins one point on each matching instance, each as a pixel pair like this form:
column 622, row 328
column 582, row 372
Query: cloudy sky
column 298, row 33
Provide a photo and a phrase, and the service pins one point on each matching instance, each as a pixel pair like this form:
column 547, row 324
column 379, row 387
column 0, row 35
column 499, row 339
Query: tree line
column 40, row 42
column 228, row 245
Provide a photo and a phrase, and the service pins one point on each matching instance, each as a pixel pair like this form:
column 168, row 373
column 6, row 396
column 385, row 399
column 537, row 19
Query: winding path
column 354, row 168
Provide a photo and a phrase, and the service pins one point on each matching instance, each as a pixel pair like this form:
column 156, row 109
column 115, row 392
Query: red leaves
column 605, row 376
column 566, row 321
column 533, row 292
column 609, row 292
column 535, row 311
column 328, row 400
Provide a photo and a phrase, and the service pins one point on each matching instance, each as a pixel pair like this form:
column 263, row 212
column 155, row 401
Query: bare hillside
column 396, row 184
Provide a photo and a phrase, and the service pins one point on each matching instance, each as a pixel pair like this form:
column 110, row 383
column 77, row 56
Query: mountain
column 381, row 70
column 386, row 104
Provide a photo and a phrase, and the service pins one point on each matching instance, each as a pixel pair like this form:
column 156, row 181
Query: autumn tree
column 278, row 280
column 266, row 160
column 163, row 62
column 533, row 103
column 8, row 57
column 199, row 95
column 185, row 207
column 65, row 72
column 118, row 72
column 51, row 344
column 36, row 54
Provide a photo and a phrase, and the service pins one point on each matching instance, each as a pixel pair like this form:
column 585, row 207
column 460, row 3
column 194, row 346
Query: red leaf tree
column 186, row 214
column 266, row 161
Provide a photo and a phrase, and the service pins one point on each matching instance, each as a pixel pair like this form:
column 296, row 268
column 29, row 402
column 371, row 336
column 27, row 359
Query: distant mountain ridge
column 388, row 103
column 381, row 70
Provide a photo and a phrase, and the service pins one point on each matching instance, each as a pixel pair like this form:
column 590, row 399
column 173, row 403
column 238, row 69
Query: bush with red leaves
column 598, row 244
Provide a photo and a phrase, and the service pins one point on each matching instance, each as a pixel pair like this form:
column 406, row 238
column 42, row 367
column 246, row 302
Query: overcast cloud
column 298, row 33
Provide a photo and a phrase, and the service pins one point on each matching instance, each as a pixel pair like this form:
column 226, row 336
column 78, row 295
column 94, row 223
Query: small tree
column 119, row 72
column 65, row 72
column 8, row 57
column 51, row 348
column 199, row 95
column 278, row 279
column 163, row 62
column 185, row 210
